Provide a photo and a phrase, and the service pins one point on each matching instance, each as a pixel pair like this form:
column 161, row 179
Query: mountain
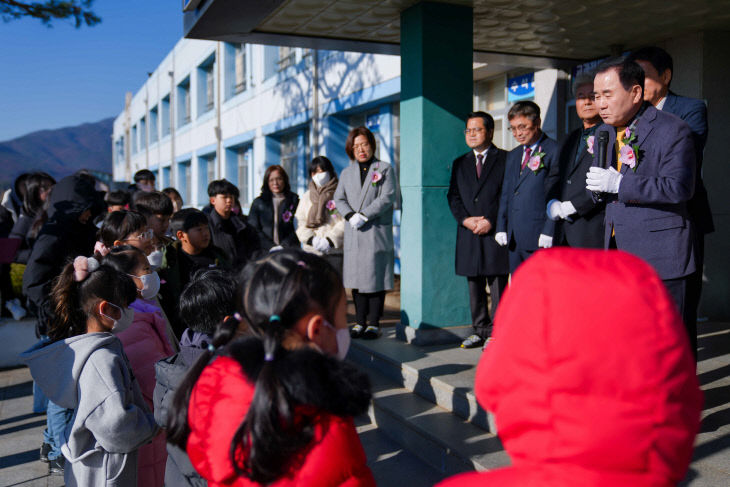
column 58, row 152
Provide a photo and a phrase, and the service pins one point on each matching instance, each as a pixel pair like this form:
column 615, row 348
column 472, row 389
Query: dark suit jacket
column 694, row 112
column 587, row 226
column 522, row 207
column 649, row 214
column 261, row 216
column 241, row 245
column 477, row 255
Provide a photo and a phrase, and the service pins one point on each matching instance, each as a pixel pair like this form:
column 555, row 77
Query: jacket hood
column 590, row 370
column 68, row 357
column 72, row 196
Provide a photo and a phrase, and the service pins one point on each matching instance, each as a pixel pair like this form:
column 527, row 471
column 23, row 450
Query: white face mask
column 151, row 285
column 321, row 178
column 124, row 321
column 155, row 259
column 342, row 335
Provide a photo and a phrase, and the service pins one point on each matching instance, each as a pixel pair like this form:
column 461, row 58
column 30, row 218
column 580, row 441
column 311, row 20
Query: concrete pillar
column 436, row 95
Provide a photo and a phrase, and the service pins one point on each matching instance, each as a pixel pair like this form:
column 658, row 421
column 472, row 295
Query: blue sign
column 521, row 87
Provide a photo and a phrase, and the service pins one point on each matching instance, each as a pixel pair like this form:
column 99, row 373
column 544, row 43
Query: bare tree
column 79, row 10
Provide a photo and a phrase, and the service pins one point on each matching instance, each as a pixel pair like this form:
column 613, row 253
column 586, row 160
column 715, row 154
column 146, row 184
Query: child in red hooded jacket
column 275, row 407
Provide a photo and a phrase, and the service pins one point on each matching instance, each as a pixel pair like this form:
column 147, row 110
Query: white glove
column 560, row 209
column 545, row 241
column 603, row 180
column 275, row 248
column 358, row 220
column 501, row 238
column 321, row 244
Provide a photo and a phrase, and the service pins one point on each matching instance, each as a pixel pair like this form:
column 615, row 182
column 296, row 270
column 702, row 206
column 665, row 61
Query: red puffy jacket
column 219, row 402
column 590, row 376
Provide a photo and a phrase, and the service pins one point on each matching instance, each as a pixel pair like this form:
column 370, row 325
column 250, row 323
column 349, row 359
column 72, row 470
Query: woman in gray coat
column 365, row 197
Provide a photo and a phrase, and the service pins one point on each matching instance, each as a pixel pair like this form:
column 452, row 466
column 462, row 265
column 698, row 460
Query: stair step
column 442, row 374
column 432, row 433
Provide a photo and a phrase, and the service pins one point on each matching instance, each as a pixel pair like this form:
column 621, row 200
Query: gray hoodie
column 90, row 374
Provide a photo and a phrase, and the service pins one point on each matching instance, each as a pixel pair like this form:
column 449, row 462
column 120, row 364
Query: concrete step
column 16, row 337
column 435, row 435
column 442, row 374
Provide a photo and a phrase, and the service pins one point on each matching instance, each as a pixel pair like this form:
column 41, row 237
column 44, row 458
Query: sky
column 62, row 76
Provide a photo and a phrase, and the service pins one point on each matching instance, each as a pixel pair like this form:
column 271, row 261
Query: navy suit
column 522, row 213
column 586, row 227
column 694, row 112
column 649, row 214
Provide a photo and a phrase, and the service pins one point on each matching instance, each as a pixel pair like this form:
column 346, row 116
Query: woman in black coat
column 272, row 213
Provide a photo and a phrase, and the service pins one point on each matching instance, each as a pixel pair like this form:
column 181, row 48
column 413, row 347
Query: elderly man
column 582, row 217
column 530, row 175
column 476, row 184
column 649, row 180
column 658, row 68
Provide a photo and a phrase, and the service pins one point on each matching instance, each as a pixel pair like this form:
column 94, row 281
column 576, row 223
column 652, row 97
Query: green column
column 436, row 95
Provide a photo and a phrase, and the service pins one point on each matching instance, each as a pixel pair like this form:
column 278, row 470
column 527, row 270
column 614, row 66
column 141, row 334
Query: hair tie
column 274, row 318
column 301, row 263
column 83, row 266
column 100, row 248
column 237, row 316
column 269, row 357
column 211, row 348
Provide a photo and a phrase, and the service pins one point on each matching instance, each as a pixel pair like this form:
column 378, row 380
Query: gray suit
column 368, row 252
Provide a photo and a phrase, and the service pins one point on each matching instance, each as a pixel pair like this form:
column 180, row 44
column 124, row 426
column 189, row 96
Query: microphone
column 601, row 155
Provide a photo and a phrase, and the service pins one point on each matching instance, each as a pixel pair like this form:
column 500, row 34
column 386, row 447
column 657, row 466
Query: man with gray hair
column 580, row 218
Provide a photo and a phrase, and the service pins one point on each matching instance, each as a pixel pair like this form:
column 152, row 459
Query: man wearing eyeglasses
column 530, row 176
column 476, row 183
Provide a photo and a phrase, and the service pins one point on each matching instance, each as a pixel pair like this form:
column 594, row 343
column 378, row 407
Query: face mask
column 124, row 321
column 342, row 335
column 155, row 259
column 147, row 188
column 321, row 178
column 151, row 285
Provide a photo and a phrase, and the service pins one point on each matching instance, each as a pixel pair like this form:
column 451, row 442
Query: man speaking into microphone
column 648, row 180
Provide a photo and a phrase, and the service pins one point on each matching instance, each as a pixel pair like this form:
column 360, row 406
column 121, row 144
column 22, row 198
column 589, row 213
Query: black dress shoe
column 55, row 466
column 371, row 333
column 45, row 450
column 356, row 331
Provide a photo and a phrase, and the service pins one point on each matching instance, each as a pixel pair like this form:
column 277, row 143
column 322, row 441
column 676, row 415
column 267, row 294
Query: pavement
column 21, row 430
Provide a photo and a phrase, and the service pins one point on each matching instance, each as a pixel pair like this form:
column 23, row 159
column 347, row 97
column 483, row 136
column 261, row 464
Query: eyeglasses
column 146, row 235
column 361, row 146
column 520, row 128
column 473, row 131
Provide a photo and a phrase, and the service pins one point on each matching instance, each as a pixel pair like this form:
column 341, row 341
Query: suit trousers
column 694, row 282
column 368, row 307
column 481, row 316
column 678, row 290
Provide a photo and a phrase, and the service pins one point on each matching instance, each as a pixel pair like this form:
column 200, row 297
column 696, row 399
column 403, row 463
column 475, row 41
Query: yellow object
column 619, row 145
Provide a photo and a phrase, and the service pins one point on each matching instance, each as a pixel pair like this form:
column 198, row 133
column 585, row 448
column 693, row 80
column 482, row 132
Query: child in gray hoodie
column 84, row 368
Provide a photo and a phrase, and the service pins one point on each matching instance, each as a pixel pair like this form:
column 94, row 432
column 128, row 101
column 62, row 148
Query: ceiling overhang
column 541, row 33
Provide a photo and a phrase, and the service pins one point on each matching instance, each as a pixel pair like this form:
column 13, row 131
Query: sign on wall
column 521, row 87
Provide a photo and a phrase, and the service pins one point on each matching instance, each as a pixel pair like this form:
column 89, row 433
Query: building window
column 184, row 180
column 134, row 139
column 286, row 57
column 183, row 102
column 165, row 118
column 153, row 124
column 206, row 85
column 240, row 68
column 290, row 156
column 206, row 174
column 143, row 133
column 165, row 177
column 243, row 162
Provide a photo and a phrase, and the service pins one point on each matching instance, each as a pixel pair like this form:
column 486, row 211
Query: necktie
column 525, row 159
column 480, row 163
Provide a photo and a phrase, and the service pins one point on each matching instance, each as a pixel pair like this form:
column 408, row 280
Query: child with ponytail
column 276, row 408
column 145, row 342
column 84, row 368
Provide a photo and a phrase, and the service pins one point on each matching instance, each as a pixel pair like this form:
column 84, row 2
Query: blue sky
column 62, row 76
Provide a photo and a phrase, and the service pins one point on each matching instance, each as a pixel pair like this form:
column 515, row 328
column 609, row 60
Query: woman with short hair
column 365, row 197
